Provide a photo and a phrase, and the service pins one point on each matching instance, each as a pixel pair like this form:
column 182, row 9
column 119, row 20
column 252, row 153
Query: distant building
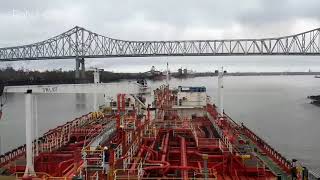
column 154, row 74
column 180, row 71
column 185, row 71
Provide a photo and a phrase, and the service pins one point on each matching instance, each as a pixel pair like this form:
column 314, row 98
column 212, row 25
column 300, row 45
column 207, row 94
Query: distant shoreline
column 10, row 76
column 273, row 73
column 247, row 74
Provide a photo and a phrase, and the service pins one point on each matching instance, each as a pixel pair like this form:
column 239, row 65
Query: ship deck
column 168, row 145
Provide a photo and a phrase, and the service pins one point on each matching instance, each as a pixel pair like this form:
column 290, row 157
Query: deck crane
column 32, row 90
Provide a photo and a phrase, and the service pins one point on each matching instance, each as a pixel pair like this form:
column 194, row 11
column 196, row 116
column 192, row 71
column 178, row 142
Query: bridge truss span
column 81, row 43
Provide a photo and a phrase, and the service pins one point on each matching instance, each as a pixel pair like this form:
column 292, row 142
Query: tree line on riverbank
column 11, row 76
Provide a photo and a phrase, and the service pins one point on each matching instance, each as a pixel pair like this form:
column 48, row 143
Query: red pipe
column 209, row 156
column 199, row 166
column 216, row 165
column 58, row 155
column 198, row 154
column 165, row 166
column 112, row 160
column 165, row 147
column 60, row 166
column 162, row 142
column 149, row 138
column 183, row 157
column 183, row 167
column 153, row 152
column 135, row 161
column 152, row 145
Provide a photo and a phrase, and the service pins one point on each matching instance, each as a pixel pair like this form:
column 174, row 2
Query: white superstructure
column 190, row 101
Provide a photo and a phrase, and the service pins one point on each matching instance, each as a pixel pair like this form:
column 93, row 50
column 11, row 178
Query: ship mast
column 29, row 171
column 220, row 92
column 96, row 81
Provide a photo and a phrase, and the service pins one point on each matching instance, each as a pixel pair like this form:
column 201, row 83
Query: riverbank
column 315, row 99
column 10, row 76
column 203, row 74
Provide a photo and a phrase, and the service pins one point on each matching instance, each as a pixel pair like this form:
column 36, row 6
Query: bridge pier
column 83, row 69
column 80, row 70
column 77, row 72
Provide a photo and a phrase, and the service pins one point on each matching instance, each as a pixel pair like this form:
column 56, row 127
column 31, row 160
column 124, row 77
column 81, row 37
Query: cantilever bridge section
column 79, row 43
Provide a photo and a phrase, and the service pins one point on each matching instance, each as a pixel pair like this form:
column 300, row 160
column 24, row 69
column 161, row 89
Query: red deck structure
column 153, row 143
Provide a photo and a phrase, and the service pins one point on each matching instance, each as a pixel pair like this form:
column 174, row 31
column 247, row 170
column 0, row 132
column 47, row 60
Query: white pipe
column 32, row 127
column 36, row 125
column 29, row 171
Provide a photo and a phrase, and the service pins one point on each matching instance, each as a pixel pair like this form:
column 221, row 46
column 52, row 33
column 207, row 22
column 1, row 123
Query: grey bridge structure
column 79, row 43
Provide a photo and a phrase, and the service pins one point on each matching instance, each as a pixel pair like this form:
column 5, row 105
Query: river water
column 275, row 107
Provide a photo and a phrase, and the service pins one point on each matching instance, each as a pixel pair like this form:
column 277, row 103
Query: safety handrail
column 225, row 140
column 18, row 152
column 266, row 147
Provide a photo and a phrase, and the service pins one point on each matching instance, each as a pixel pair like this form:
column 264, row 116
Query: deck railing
column 313, row 175
column 225, row 140
column 20, row 151
column 281, row 160
column 11, row 155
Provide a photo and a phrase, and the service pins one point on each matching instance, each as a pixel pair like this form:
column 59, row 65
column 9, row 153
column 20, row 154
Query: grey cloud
column 281, row 10
column 145, row 19
column 155, row 20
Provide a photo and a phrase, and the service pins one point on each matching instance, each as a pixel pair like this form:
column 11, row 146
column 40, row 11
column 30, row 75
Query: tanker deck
column 180, row 135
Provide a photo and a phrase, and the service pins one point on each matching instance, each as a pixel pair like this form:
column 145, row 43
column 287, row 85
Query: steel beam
column 183, row 158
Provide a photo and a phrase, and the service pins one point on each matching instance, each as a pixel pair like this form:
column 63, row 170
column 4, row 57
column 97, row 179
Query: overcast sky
column 28, row 21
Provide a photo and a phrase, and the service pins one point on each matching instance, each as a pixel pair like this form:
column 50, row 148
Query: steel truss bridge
column 79, row 43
